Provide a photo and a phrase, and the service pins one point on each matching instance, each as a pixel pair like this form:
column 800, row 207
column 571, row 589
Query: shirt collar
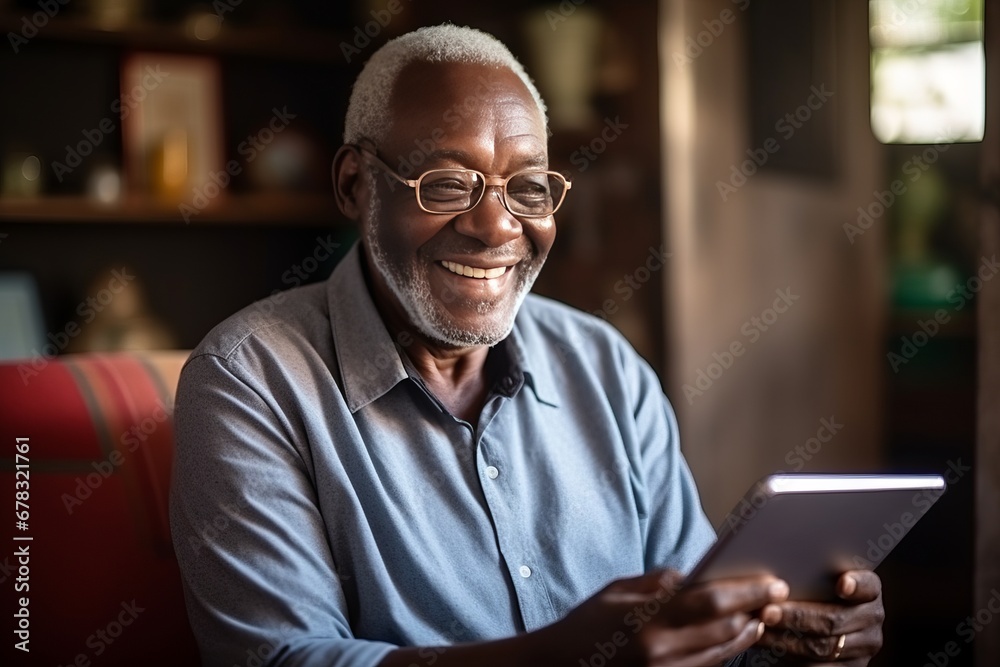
column 529, row 355
column 369, row 358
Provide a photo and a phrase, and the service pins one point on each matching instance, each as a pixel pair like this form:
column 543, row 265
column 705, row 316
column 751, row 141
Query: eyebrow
column 536, row 160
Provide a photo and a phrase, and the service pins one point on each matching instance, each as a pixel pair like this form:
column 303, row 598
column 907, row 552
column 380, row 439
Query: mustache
column 520, row 249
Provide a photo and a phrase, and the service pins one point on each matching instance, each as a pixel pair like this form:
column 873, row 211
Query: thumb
column 651, row 582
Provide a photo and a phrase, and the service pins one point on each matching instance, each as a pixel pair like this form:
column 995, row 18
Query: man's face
column 456, row 116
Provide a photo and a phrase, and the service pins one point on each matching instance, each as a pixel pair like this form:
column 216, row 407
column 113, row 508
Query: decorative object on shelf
column 173, row 136
column 22, row 175
column 104, row 184
column 168, row 164
column 203, row 25
column 291, row 162
column 120, row 317
column 112, row 14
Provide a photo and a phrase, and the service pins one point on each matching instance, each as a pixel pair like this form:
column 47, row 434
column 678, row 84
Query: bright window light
column 928, row 70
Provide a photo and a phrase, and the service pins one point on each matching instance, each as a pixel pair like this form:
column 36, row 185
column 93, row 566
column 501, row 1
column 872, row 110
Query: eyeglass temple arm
column 411, row 182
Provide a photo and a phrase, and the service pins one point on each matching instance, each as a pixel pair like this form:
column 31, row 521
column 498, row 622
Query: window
column 928, row 70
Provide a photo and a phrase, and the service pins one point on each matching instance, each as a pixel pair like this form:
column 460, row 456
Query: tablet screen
column 808, row 529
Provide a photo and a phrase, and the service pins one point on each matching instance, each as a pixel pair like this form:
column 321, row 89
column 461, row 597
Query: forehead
column 461, row 103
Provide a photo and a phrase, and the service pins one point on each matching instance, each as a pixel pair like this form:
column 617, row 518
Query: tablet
column 808, row 529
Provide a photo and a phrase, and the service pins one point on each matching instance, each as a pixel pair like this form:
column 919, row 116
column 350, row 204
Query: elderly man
column 419, row 463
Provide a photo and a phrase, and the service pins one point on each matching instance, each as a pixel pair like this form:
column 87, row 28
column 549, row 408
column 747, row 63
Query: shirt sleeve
column 258, row 573
column 677, row 532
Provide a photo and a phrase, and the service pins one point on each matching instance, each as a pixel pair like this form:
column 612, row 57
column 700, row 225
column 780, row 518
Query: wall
column 775, row 233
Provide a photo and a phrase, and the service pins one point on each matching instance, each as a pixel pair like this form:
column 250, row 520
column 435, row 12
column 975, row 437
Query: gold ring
column 840, row 647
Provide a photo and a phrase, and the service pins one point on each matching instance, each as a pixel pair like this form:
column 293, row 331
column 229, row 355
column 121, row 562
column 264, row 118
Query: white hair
column 368, row 114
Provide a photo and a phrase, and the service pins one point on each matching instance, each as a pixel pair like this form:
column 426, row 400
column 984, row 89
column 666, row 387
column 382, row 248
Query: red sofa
column 88, row 442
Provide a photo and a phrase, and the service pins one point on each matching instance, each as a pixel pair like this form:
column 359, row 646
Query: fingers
column 695, row 638
column 709, row 626
column 723, row 598
column 859, row 586
column 862, row 644
column 659, row 581
column 658, row 584
column 720, row 640
column 812, row 630
column 825, row 619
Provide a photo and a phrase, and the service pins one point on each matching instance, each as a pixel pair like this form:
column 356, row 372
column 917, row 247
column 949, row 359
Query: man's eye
column 445, row 188
column 529, row 187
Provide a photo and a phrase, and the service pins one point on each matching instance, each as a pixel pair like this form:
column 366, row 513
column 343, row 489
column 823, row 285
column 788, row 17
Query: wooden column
column 988, row 446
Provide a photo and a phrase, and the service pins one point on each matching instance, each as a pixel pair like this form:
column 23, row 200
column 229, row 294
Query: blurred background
column 788, row 206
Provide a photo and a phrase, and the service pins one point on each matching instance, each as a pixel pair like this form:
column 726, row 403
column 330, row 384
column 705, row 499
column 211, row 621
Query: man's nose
column 490, row 221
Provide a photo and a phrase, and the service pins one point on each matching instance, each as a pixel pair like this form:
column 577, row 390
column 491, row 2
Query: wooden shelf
column 294, row 43
column 277, row 209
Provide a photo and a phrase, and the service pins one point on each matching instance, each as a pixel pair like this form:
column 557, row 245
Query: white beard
column 411, row 286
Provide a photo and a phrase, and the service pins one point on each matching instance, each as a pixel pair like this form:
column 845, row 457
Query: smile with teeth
column 474, row 272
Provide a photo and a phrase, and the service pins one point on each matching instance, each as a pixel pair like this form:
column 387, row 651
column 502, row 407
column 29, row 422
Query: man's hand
column 809, row 633
column 646, row 620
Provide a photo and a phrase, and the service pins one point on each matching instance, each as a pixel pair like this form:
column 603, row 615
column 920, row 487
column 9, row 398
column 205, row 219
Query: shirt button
column 525, row 571
column 492, row 472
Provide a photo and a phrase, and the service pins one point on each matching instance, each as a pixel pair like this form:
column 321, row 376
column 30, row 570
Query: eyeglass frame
column 488, row 181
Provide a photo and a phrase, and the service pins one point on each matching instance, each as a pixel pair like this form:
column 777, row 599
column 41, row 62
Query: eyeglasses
column 532, row 193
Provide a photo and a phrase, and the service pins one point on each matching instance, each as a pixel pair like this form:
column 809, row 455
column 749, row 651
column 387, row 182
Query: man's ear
column 350, row 186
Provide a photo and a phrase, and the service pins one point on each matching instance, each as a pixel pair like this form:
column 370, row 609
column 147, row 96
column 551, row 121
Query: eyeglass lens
column 454, row 190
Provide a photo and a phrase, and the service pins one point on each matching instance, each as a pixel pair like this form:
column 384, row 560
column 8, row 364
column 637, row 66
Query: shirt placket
column 508, row 514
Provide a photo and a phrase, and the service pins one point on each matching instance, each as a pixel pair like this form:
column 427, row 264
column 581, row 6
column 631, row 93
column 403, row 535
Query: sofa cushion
column 101, row 579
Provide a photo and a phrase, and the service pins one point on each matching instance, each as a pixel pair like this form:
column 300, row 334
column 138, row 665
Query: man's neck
column 456, row 376
column 459, row 378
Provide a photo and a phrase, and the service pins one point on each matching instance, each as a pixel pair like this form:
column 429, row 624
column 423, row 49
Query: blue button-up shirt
column 326, row 507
